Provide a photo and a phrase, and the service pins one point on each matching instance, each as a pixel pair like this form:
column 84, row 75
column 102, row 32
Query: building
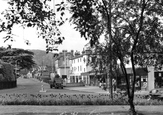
column 158, row 79
column 146, row 78
column 62, row 64
column 74, row 67
column 81, row 71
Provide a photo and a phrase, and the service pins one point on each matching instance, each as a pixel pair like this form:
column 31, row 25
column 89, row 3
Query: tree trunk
column 109, row 81
column 129, row 90
column 132, row 106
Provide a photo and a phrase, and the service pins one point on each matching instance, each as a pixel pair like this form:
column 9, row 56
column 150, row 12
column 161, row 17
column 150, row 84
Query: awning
column 85, row 73
column 139, row 71
column 72, row 74
column 90, row 73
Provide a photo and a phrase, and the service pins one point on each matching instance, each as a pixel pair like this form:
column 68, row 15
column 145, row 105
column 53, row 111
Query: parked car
column 56, row 83
column 156, row 94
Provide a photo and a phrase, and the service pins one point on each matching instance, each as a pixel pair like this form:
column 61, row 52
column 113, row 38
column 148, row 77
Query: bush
column 7, row 72
column 64, row 99
column 7, row 77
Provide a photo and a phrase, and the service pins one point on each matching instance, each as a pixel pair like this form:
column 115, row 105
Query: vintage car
column 156, row 94
column 56, row 83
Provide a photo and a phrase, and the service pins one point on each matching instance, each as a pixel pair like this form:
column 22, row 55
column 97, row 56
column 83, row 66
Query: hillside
column 42, row 58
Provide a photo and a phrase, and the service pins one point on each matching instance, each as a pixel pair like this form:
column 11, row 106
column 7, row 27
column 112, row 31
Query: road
column 33, row 86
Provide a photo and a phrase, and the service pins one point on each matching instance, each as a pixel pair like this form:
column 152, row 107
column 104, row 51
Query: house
column 80, row 70
column 62, row 64
column 146, row 78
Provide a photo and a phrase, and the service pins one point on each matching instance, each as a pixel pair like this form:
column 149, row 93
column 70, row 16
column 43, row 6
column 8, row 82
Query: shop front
column 158, row 79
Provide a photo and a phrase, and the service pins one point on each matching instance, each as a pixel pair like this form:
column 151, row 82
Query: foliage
column 99, row 60
column 21, row 58
column 65, row 99
column 132, row 30
column 35, row 14
column 41, row 58
column 7, row 71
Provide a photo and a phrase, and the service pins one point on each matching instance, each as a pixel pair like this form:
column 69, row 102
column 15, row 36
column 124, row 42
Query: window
column 84, row 69
column 84, row 60
column 80, row 68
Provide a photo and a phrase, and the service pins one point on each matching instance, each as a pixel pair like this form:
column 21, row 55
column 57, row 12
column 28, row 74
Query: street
column 33, row 86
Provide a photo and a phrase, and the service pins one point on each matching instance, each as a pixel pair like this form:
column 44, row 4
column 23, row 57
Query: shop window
column 144, row 80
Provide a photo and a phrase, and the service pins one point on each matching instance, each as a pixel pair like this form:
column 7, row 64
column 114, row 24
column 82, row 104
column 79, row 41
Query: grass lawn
column 103, row 113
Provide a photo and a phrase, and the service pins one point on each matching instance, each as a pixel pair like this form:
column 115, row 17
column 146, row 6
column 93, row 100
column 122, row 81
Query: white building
column 78, row 67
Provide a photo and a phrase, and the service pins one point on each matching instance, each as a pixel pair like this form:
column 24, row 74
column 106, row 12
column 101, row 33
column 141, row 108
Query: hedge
column 8, row 84
column 7, row 76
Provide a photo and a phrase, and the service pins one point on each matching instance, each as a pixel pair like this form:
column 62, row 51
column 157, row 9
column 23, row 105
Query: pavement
column 91, row 89
column 96, row 89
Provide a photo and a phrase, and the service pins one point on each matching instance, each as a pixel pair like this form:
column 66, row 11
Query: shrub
column 64, row 99
column 7, row 77
column 7, row 72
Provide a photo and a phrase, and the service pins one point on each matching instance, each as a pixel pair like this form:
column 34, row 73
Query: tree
column 133, row 32
column 99, row 61
column 132, row 29
column 35, row 14
column 23, row 59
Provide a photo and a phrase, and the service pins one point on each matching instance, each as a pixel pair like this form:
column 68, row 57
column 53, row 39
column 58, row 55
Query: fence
column 8, row 84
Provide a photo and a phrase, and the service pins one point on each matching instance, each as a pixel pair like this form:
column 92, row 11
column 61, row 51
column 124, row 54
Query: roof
column 91, row 73
column 65, row 54
column 75, row 57
column 139, row 71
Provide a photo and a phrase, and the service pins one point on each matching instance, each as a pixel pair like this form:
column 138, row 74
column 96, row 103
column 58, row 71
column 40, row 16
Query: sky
column 73, row 40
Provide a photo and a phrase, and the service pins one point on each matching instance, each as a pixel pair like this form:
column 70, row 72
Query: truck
column 56, row 82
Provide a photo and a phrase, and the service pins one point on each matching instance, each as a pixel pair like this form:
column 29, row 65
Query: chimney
column 72, row 52
column 64, row 50
column 77, row 53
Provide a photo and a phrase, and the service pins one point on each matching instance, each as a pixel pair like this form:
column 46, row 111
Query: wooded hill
column 42, row 58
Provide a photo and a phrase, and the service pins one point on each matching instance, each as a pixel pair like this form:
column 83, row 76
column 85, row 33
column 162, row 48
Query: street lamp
column 118, row 62
column 53, row 62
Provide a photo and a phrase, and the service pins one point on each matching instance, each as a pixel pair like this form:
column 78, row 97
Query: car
column 56, row 83
column 156, row 94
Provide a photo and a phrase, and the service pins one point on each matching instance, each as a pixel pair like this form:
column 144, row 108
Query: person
column 52, row 76
column 57, row 75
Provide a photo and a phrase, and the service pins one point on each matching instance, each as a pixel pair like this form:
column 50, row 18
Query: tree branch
column 140, row 26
